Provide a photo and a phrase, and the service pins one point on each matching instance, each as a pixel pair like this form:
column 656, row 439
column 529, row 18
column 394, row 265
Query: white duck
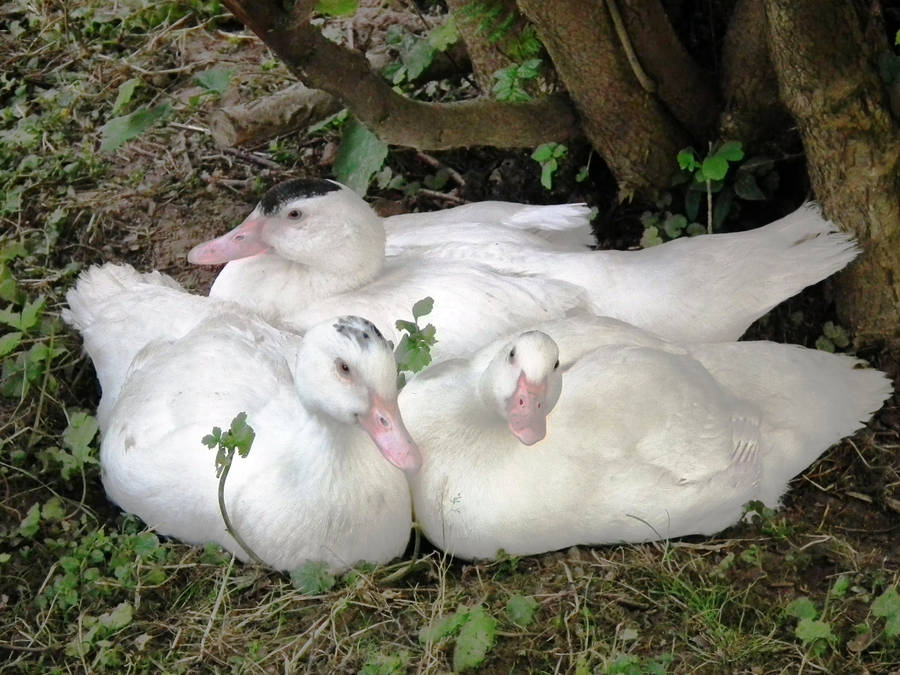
column 326, row 261
column 313, row 487
column 312, row 239
column 648, row 439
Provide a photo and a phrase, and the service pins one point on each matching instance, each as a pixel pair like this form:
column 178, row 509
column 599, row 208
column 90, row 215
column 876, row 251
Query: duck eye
column 512, row 353
column 342, row 368
column 556, row 365
column 294, row 214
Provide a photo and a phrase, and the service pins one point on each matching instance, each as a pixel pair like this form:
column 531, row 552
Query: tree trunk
column 753, row 110
column 344, row 73
column 624, row 121
column 827, row 78
column 688, row 92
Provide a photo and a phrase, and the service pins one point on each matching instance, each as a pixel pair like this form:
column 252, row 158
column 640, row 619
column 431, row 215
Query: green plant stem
column 228, row 526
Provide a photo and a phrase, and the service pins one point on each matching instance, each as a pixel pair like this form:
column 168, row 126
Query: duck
column 591, row 431
column 310, row 239
column 324, row 480
column 305, row 262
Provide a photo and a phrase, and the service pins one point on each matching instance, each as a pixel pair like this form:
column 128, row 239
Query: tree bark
column 827, row 79
column 688, row 92
column 623, row 121
column 753, row 110
column 487, row 56
column 344, row 73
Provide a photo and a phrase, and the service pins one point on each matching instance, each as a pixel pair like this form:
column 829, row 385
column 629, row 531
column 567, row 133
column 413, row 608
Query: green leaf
column 118, row 618
column 811, row 630
column 476, row 637
column 746, row 187
column 386, row 664
column 520, row 609
column 417, row 58
column 887, row 604
column 687, row 159
column 543, row 152
column 722, row 207
column 825, row 345
column 53, row 510
column 548, row 168
column 120, row 130
column 582, row 174
column 31, row 312
column 240, row 435
column 674, row 224
column 714, row 168
column 9, row 342
column 336, row 7
column 313, row 578
column 31, row 522
column 441, row 37
column 445, row 626
column 801, row 608
column 215, row 80
column 8, row 289
column 733, row 151
column 694, row 229
column 423, row 307
column 80, row 431
column 126, row 92
column 650, row 237
column 12, row 201
column 361, row 154
column 146, row 544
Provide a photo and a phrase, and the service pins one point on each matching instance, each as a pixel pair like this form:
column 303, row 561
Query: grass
column 84, row 588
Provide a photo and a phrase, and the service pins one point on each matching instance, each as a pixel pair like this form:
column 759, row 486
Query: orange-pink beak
column 527, row 411
column 242, row 242
column 385, row 426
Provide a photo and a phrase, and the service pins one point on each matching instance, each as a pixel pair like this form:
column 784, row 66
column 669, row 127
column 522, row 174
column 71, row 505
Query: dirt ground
column 715, row 604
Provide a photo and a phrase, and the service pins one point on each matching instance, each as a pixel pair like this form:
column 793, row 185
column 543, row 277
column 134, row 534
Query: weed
column 548, row 155
column 413, row 353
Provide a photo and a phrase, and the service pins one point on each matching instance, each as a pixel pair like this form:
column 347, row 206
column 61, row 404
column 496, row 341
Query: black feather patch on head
column 290, row 190
column 362, row 331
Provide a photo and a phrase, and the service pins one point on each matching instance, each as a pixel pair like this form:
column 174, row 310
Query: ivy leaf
column 119, row 130
column 801, row 608
column 476, row 637
column 520, row 609
column 361, row 154
column 313, row 578
column 336, row 7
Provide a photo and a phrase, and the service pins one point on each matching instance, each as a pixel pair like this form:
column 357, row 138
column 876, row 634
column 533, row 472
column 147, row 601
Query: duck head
column 345, row 369
column 309, row 221
column 523, row 384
